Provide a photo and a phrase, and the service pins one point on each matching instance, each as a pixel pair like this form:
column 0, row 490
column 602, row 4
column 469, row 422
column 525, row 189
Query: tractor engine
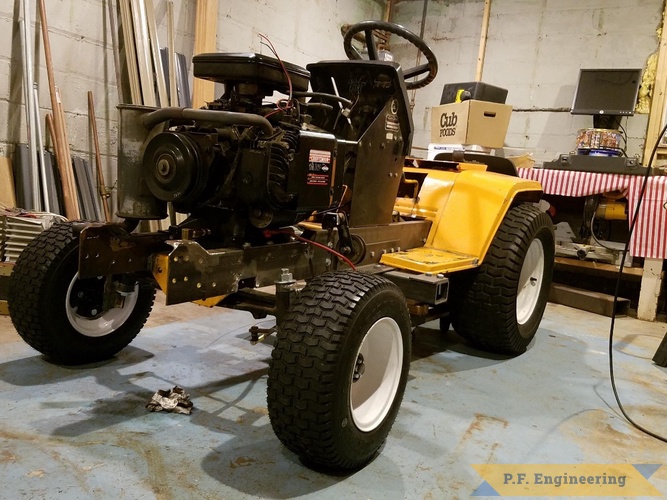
column 241, row 162
column 274, row 181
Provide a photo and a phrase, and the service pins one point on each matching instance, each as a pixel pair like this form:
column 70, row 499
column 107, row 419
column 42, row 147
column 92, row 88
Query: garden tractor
column 308, row 209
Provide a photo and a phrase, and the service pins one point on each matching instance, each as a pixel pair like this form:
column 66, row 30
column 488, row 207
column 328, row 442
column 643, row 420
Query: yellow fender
column 466, row 207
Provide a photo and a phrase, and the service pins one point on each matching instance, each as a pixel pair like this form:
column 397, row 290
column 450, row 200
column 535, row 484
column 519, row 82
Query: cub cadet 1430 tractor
column 314, row 187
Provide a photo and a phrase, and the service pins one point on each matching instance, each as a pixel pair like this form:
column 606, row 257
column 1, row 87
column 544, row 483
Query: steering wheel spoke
column 370, row 45
column 416, row 71
column 353, row 53
column 368, row 27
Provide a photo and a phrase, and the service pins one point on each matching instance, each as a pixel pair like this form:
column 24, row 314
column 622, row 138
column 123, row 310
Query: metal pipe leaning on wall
column 40, row 152
column 28, row 79
column 102, row 190
column 58, row 132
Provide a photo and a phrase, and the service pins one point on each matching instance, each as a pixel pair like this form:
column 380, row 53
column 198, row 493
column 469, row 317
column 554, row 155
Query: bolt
column 372, row 254
column 185, row 278
column 198, row 285
column 80, row 295
column 93, row 312
column 285, row 274
column 359, row 368
column 163, row 166
column 327, row 262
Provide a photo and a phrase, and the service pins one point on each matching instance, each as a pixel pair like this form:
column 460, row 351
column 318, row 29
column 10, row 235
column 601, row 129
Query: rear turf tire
column 498, row 306
column 339, row 369
column 60, row 315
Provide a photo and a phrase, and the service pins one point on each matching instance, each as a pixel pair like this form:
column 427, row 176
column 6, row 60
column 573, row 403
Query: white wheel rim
column 530, row 282
column 372, row 394
column 104, row 324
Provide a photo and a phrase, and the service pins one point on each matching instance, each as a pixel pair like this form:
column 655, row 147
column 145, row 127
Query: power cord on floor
column 618, row 287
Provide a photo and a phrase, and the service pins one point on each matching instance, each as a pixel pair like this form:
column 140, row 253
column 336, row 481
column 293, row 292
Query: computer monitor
column 606, row 94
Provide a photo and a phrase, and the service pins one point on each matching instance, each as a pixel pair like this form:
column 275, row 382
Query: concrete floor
column 84, row 432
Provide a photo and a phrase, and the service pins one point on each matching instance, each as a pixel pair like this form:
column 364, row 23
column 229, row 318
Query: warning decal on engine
column 319, row 167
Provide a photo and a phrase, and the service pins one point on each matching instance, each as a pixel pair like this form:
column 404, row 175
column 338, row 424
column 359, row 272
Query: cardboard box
column 470, row 122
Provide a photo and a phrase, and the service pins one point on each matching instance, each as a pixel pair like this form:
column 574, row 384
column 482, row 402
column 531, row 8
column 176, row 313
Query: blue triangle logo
column 647, row 470
column 485, row 490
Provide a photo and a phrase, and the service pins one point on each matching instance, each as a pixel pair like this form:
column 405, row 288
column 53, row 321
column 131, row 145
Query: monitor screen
column 606, row 92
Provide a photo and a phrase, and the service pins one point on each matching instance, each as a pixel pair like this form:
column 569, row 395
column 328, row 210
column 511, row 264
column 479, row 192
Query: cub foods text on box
column 470, row 122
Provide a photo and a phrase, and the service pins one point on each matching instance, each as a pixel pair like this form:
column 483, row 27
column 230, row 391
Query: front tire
column 339, row 369
column 61, row 315
column 498, row 306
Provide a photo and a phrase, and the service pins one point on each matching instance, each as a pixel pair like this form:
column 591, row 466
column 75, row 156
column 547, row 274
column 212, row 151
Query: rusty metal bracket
column 110, row 249
column 190, row 272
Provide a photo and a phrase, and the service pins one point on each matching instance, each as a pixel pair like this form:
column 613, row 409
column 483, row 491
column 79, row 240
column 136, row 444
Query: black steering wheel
column 431, row 66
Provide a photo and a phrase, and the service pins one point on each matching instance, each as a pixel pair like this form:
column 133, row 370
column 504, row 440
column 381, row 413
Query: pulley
column 173, row 168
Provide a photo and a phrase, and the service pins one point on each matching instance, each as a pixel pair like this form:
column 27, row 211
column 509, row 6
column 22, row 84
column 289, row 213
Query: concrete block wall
column 302, row 31
column 535, row 49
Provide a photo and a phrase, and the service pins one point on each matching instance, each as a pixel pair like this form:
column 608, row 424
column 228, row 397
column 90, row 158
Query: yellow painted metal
column 469, row 219
column 432, row 195
column 210, row 302
column 5, row 271
column 466, row 208
column 6, row 268
column 472, row 166
column 161, row 273
column 429, row 260
column 161, row 270
column 611, row 210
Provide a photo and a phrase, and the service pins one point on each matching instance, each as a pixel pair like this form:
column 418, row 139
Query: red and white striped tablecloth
column 650, row 236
